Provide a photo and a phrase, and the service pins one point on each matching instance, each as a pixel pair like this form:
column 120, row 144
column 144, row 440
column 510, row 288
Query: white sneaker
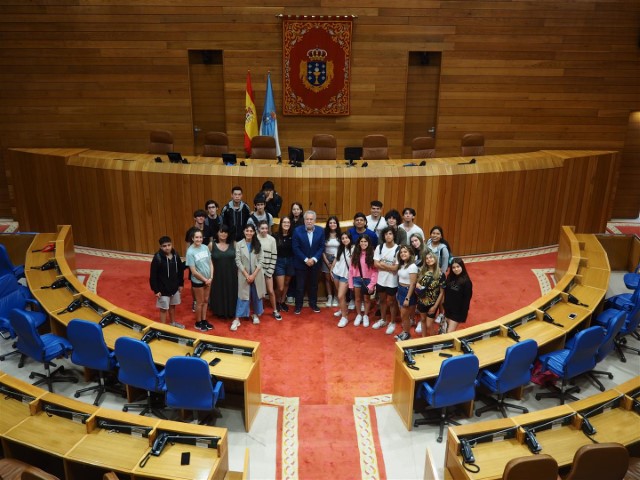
column 352, row 305
column 329, row 301
column 256, row 319
column 338, row 313
column 358, row 321
column 343, row 322
column 419, row 327
column 379, row 324
column 365, row 320
column 234, row 325
column 390, row 328
column 335, row 302
column 291, row 300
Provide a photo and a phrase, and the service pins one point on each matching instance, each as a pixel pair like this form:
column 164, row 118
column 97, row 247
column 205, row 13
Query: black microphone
column 423, row 163
column 365, row 164
column 573, row 299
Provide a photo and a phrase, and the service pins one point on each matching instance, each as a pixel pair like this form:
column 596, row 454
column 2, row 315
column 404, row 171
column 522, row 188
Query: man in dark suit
column 308, row 244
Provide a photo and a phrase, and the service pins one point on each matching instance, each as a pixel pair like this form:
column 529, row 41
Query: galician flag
column 250, row 116
column 269, row 124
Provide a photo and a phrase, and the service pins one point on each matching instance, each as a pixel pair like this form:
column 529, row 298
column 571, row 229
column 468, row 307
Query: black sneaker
column 207, row 325
column 403, row 336
column 298, row 310
column 201, row 326
column 315, row 309
column 284, row 307
column 277, row 315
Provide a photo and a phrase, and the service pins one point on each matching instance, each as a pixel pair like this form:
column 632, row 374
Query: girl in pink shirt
column 363, row 277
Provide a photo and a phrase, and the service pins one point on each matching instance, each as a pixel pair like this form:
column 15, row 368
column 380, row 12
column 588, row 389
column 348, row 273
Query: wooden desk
column 205, row 463
column 109, row 449
column 617, row 424
column 240, row 374
column 490, row 456
column 15, row 411
column 526, row 214
column 527, row 322
column 630, row 387
column 74, row 450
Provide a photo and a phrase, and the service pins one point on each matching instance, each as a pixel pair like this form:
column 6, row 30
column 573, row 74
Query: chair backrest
column 323, row 147
column 29, row 341
column 189, row 386
column 472, row 144
column 215, row 144
column 160, row 141
column 34, row 473
column 614, row 320
column 136, row 365
column 599, row 461
column 456, row 381
column 423, row 147
column 538, row 467
column 263, row 146
column 582, row 356
column 375, row 147
column 89, row 347
column 6, row 265
column 516, row 368
column 633, row 319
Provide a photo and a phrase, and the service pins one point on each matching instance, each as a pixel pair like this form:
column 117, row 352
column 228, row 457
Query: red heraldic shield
column 316, row 65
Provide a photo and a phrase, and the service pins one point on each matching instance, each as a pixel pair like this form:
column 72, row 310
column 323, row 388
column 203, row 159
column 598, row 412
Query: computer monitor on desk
column 296, row 155
column 351, row 154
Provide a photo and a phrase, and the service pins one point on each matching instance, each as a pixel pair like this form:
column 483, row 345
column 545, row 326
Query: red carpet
column 308, row 357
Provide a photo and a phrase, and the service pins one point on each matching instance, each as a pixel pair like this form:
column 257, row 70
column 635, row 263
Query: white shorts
column 163, row 302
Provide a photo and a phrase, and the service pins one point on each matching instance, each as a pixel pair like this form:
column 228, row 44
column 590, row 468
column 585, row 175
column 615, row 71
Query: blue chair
column 568, row 363
column 612, row 321
column 7, row 267
column 42, row 348
column 91, row 351
column 514, row 372
column 624, row 301
column 632, row 280
column 456, row 384
column 629, row 327
column 15, row 295
column 190, row 385
column 138, row 370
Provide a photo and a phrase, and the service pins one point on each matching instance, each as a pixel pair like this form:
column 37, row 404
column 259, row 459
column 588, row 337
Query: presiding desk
column 239, row 368
column 78, row 441
column 499, row 203
column 584, row 269
column 558, row 431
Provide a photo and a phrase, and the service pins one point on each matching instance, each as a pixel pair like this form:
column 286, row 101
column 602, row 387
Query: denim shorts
column 284, row 266
column 359, row 282
column 402, row 294
column 339, row 278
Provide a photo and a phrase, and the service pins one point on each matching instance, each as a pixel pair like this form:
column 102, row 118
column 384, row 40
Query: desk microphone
column 574, row 300
column 365, row 165
column 531, row 441
column 512, row 334
column 466, row 347
column 549, row 319
column 470, row 162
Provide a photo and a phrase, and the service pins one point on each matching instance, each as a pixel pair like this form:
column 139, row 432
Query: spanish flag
column 250, row 117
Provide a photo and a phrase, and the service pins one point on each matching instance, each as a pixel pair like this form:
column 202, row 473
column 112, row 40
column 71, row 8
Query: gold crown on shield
column 317, row 55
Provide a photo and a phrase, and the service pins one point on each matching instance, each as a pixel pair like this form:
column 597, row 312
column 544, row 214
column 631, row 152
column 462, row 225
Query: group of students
column 234, row 260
